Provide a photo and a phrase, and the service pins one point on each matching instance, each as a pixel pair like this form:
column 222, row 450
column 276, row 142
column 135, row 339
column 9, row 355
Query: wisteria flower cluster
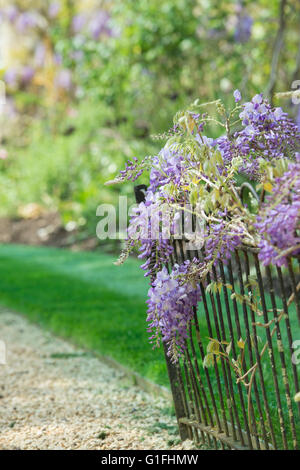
column 197, row 176
column 267, row 133
column 145, row 227
column 170, row 308
column 278, row 220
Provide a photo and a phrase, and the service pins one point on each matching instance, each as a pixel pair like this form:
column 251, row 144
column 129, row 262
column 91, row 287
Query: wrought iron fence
column 235, row 386
column 236, row 383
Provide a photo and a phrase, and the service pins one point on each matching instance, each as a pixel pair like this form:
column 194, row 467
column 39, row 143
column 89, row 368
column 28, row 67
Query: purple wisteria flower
column 27, row 74
column 40, row 55
column 64, row 79
column 237, row 96
column 298, row 119
column 58, row 59
column 204, row 171
column 131, row 171
column 170, row 308
column 11, row 77
column 221, row 241
column 54, row 9
column 78, row 23
column 146, row 227
column 278, row 220
column 243, row 28
column 167, row 167
column 25, row 21
column 98, row 23
column 11, row 12
column 267, row 133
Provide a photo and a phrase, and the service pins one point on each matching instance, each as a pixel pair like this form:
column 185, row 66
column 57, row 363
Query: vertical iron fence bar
column 284, row 371
column 202, row 392
column 215, row 364
column 256, row 349
column 198, row 406
column 179, row 247
column 211, row 391
column 212, row 301
column 295, row 291
column 190, row 388
column 185, row 256
column 189, row 392
column 288, row 330
column 181, row 250
column 229, row 375
column 259, row 366
column 175, row 256
column 232, row 339
column 271, row 353
column 197, row 397
column 202, row 389
column 184, row 399
column 210, row 388
column 180, row 409
column 298, row 309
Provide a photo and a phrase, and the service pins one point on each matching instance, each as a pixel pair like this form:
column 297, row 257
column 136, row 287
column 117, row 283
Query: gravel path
column 56, row 396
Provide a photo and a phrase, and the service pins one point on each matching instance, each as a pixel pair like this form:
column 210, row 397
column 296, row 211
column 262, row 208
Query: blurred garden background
column 88, row 85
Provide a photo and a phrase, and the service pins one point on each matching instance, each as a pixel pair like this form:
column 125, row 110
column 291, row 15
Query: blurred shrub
column 161, row 54
column 89, row 82
column 64, row 163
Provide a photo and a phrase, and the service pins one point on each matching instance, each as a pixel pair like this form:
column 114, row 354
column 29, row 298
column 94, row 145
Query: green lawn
column 85, row 297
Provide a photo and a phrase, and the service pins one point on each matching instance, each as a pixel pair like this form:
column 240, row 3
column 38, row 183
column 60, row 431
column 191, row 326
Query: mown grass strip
column 86, row 298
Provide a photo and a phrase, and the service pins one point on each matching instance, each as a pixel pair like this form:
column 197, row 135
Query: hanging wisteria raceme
column 194, row 175
column 266, row 133
column 170, row 308
column 167, row 167
column 244, row 24
column 278, row 220
column 147, row 227
column 221, row 241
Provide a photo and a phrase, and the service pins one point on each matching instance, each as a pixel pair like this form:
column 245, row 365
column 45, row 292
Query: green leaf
column 208, row 360
column 213, row 347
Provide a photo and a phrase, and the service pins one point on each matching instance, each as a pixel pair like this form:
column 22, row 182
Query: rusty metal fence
column 235, row 386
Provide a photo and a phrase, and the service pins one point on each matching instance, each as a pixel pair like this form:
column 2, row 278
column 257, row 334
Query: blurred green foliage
column 155, row 58
column 63, row 164
column 167, row 53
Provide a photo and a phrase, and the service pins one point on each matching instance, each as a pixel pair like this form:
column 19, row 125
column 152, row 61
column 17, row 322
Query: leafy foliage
column 136, row 63
column 192, row 167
